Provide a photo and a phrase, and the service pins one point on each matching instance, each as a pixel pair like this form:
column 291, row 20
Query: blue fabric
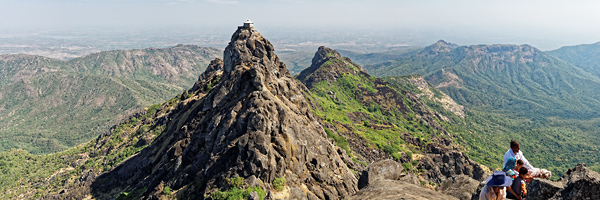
column 499, row 179
column 512, row 174
column 510, row 164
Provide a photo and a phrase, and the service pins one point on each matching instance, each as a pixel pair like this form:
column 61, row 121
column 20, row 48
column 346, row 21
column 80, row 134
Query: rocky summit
column 245, row 119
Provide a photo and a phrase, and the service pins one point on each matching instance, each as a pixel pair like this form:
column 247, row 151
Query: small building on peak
column 248, row 24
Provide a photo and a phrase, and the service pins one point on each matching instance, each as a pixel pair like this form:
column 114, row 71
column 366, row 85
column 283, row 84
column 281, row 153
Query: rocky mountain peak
column 438, row 47
column 324, row 53
column 254, row 123
column 328, row 64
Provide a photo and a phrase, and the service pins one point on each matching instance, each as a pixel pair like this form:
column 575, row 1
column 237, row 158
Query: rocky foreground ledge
column 577, row 183
column 386, row 179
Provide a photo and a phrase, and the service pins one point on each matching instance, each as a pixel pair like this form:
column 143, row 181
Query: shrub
column 237, row 193
column 407, row 166
column 236, row 182
column 167, row 190
column 231, row 193
column 367, row 124
column 396, row 155
column 339, row 140
column 409, row 154
column 279, row 183
column 261, row 193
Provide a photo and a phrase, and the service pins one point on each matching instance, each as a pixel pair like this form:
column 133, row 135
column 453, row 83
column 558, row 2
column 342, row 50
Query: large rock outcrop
column 577, row 183
column 386, row 179
column 383, row 169
column 442, row 162
column 254, row 121
column 390, row 189
column 460, row 186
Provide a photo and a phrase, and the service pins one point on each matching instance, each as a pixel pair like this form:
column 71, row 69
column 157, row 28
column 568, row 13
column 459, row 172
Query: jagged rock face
column 577, row 183
column 542, row 189
column 442, row 163
column 328, row 64
column 254, row 122
column 209, row 78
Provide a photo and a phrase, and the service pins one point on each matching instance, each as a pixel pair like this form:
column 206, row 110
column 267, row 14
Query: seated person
column 515, row 152
column 518, row 166
column 509, row 168
column 495, row 187
column 518, row 189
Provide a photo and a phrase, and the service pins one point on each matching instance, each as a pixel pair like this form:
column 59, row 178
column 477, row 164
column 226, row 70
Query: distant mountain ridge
column 585, row 56
column 504, row 76
column 177, row 65
column 49, row 105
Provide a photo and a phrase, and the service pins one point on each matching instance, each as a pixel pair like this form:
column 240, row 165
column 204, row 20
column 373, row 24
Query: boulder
column 460, row 186
column 395, row 189
column 410, row 178
column 542, row 189
column 383, row 169
column 253, row 196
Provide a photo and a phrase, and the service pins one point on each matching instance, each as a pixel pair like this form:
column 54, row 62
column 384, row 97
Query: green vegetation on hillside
column 37, row 175
column 358, row 104
column 514, row 92
column 49, row 105
column 585, row 56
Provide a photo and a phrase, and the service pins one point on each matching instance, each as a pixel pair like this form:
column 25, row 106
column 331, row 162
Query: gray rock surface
column 394, row 189
column 383, row 169
column 410, row 178
column 460, row 186
column 539, row 189
column 253, row 196
column 577, row 183
column 443, row 162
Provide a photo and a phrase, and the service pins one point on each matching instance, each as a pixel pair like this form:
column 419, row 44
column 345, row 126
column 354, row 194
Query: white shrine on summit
column 248, row 24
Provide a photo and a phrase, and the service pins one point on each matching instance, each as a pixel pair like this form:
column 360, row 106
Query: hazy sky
column 545, row 23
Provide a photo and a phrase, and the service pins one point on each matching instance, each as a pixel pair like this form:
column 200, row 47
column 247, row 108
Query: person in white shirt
column 495, row 187
column 515, row 152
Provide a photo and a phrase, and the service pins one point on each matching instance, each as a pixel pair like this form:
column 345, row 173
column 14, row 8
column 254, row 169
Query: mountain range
column 513, row 92
column 49, row 105
column 585, row 56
